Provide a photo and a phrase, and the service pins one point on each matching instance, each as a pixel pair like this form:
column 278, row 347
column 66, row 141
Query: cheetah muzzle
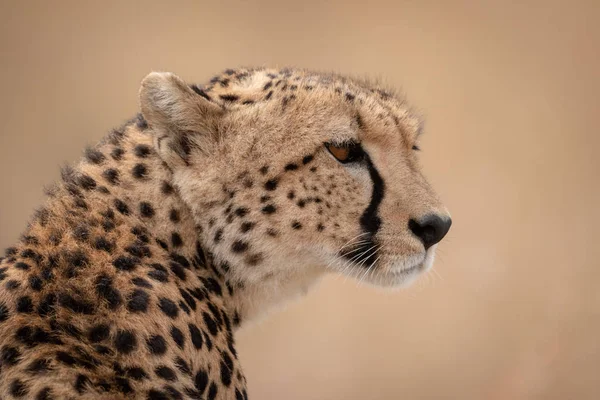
column 213, row 205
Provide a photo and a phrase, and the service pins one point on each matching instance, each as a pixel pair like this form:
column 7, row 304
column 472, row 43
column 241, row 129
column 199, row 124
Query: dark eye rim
column 356, row 152
column 416, row 148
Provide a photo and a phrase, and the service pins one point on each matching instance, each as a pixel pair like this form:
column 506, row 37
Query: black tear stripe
column 364, row 254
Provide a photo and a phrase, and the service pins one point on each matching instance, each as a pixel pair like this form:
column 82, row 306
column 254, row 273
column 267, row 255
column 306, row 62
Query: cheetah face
column 289, row 169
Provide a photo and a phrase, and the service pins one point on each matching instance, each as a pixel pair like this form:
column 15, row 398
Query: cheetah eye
column 416, row 148
column 347, row 152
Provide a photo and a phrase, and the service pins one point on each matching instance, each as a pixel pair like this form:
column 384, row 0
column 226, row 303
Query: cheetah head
column 283, row 169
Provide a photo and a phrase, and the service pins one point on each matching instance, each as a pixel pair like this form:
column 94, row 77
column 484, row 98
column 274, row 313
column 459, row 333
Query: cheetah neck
column 122, row 189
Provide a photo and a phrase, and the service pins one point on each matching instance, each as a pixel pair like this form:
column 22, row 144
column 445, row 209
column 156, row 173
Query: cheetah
column 211, row 207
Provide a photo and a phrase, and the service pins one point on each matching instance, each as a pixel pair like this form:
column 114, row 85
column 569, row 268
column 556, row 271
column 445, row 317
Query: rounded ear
column 180, row 117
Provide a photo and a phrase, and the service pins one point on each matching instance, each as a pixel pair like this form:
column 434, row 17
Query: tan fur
column 262, row 211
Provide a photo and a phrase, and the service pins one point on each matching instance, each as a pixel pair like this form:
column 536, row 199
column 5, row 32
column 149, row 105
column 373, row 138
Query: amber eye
column 346, row 153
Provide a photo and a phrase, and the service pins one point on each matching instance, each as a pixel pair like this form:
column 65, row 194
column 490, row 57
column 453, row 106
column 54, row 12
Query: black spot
column 213, row 286
column 103, row 350
column 176, row 239
column 87, row 182
column 39, row 366
column 9, row 356
column 226, row 368
column 320, row 227
column 141, row 282
column 168, row 307
column 229, row 97
column 24, row 304
column 238, row 395
column 269, row 209
column 200, row 92
column 108, row 225
column 159, row 273
column 265, row 198
column 146, row 209
column 195, row 335
column 174, row 215
column 291, row 167
column 140, row 171
column 66, row 358
column 188, row 298
column 99, row 333
column 154, row 394
column 75, row 305
column 178, row 270
column 212, row 391
column 47, row 305
column 123, row 385
column 121, row 207
column 126, row 263
column 94, row 156
column 18, row 388
column 35, row 283
column 182, row 366
column 125, row 341
column 247, row 226
column 166, row 373
column 178, row 337
column 239, row 246
column 241, row 211
column 117, row 153
column 162, row 244
column 263, row 170
column 105, row 289
column 138, row 301
column 271, row 184
column 201, row 381
column 101, row 243
column 111, row 175
column 142, row 150
column 166, row 188
column 184, row 307
column 268, row 96
column 296, row 225
column 81, row 233
column 141, row 233
column 268, row 85
column 218, row 235
column 307, row 159
column 254, row 259
column 44, row 394
column 80, row 203
column 22, row 266
column 136, row 373
column 141, row 122
column 12, row 284
column 139, row 250
column 80, row 382
column 272, row 232
column 350, row 96
column 157, row 345
column 210, row 323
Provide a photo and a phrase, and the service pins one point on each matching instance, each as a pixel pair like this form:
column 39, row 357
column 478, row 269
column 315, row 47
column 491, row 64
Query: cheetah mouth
column 408, row 270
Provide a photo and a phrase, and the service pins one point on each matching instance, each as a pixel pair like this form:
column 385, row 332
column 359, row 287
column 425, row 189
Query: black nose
column 430, row 229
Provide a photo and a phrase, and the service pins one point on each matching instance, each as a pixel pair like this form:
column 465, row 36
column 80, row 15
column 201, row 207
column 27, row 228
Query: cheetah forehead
column 243, row 87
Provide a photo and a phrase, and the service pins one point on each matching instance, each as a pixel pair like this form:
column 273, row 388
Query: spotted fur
column 214, row 204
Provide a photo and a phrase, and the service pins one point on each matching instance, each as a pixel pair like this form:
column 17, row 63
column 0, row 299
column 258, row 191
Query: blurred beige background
column 511, row 97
